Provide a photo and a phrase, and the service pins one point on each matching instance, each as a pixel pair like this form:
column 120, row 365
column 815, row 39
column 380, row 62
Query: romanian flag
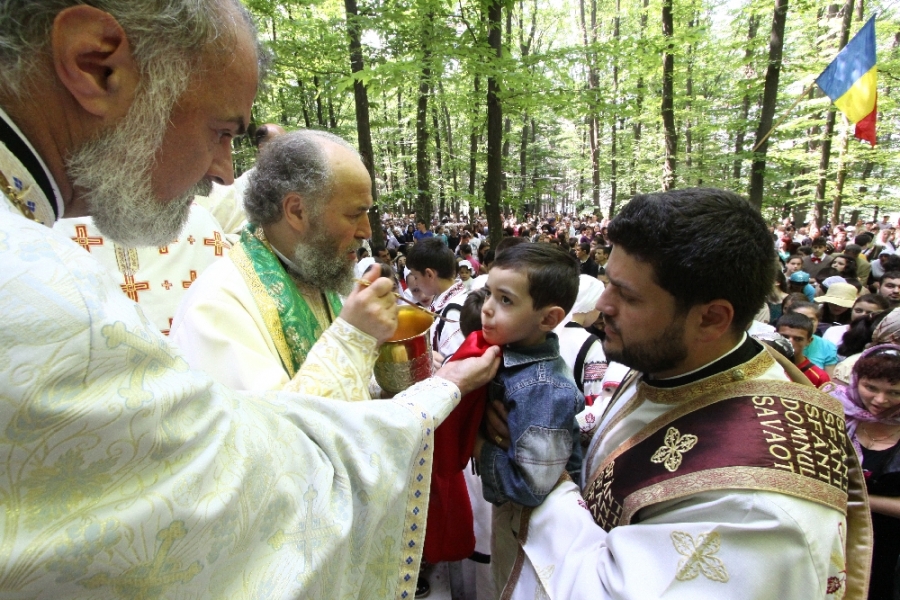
column 850, row 81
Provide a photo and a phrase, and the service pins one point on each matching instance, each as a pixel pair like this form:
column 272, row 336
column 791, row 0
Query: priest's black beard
column 665, row 352
column 113, row 173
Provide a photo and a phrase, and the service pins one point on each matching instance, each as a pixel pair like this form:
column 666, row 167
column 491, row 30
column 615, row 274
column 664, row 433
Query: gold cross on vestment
column 312, row 534
column 154, row 578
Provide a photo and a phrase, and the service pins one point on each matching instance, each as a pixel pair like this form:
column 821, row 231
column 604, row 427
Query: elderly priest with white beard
column 126, row 474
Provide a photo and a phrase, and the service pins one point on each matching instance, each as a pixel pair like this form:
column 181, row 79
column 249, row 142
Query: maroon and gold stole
column 733, row 431
column 751, row 435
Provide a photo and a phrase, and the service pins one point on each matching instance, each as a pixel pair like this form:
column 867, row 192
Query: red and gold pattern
column 156, row 278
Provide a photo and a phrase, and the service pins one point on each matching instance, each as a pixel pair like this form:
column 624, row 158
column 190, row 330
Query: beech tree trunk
column 363, row 128
column 745, row 105
column 668, row 97
column 494, row 179
column 770, row 96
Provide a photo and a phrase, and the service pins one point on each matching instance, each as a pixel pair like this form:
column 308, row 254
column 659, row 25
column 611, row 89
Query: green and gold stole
column 288, row 318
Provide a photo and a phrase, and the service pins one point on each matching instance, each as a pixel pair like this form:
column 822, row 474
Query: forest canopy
column 576, row 105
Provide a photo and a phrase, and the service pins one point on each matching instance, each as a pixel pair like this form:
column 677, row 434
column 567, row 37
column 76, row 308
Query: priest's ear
column 296, row 212
column 93, row 60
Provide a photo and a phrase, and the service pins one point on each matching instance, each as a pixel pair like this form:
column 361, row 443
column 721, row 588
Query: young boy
column 820, row 352
column 798, row 329
column 464, row 274
column 530, row 289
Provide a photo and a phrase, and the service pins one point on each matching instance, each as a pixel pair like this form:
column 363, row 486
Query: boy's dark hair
column 509, row 242
column 431, row 253
column 489, row 256
column 465, row 249
column 801, row 305
column 890, row 275
column 795, row 321
column 552, row 273
column 470, row 314
column 819, row 241
column 697, row 240
column 853, row 250
column 863, row 239
column 791, row 299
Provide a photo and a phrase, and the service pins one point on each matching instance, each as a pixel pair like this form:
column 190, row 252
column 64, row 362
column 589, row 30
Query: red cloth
column 450, row 531
column 865, row 129
column 817, row 376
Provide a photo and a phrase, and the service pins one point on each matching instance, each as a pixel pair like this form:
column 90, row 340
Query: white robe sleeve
column 339, row 365
column 726, row 544
column 128, row 474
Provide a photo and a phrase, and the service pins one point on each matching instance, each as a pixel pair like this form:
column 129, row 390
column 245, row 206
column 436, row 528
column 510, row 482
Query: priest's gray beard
column 321, row 264
column 113, row 173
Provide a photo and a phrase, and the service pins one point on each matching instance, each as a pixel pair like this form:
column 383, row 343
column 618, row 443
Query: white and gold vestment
column 127, row 475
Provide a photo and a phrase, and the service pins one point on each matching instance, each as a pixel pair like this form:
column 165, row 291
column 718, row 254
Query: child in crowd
column 530, row 289
column 415, row 293
column 464, row 274
column 821, row 353
column 798, row 329
column 470, row 315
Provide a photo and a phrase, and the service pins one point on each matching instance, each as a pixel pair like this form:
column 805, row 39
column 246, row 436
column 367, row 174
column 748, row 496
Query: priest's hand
column 372, row 307
column 470, row 374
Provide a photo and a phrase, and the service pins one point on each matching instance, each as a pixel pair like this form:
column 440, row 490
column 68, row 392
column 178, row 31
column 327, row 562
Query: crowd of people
column 643, row 417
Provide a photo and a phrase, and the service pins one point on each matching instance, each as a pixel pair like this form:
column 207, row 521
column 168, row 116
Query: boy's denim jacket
column 537, row 388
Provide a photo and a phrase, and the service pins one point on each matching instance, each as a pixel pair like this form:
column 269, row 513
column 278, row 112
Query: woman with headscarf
column 885, row 330
column 872, row 409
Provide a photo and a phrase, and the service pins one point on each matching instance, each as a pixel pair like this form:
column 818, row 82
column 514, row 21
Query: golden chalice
column 405, row 358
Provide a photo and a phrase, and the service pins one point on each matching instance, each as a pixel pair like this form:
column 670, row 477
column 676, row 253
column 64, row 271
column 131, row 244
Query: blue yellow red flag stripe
column 851, row 81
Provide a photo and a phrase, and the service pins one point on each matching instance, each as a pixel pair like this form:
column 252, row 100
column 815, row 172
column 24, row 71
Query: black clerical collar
column 743, row 353
column 16, row 143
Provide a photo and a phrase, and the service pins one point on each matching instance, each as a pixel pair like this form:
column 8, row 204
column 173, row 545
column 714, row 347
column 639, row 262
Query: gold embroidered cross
column 313, row 534
column 675, row 445
column 152, row 579
column 698, row 556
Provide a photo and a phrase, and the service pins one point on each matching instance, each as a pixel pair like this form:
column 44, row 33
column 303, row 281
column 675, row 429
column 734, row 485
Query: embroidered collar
column 741, row 354
column 21, row 148
column 441, row 301
column 516, row 356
